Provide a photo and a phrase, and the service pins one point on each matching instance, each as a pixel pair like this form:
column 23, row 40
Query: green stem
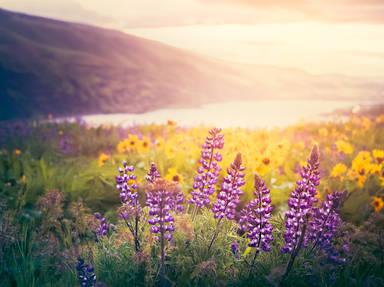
column 162, row 260
column 215, row 234
column 162, row 245
column 137, row 242
column 253, row 262
column 295, row 251
column 194, row 212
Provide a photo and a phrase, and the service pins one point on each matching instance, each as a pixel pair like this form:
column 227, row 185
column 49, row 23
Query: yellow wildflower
column 378, row 155
column 132, row 141
column 362, row 162
column 361, row 180
column 122, row 146
column 128, row 144
column 173, row 175
column 171, row 123
column 378, row 204
column 262, row 169
column 17, row 152
column 361, row 167
column 266, row 161
column 339, row 170
column 323, row 132
column 144, row 144
column 381, row 178
column 344, row 147
column 102, row 159
column 380, row 119
column 374, row 168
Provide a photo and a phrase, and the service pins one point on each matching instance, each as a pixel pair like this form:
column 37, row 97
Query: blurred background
column 288, row 60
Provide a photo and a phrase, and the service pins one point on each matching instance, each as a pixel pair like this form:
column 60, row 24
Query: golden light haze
column 321, row 37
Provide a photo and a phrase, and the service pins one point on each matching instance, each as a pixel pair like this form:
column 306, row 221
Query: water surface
column 253, row 114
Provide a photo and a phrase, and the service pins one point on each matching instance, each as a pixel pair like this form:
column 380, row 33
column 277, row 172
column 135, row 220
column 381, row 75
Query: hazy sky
column 319, row 36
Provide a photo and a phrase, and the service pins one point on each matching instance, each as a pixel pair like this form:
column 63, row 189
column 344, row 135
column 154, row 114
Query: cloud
column 368, row 54
column 126, row 14
column 286, row 4
column 371, row 11
column 68, row 10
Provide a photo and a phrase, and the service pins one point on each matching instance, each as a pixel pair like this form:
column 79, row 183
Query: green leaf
column 247, row 251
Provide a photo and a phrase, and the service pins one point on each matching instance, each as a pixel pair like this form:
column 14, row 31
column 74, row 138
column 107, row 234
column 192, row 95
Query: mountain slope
column 49, row 66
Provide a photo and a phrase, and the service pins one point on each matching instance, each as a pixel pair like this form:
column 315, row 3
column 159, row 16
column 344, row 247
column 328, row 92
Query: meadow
column 164, row 205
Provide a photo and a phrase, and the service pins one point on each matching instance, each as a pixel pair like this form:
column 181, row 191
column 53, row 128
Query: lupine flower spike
column 130, row 211
column 235, row 249
column 153, row 174
column 161, row 200
column 208, row 172
column 103, row 228
column 300, row 206
column 126, row 185
column 85, row 273
column 255, row 218
column 229, row 196
column 324, row 222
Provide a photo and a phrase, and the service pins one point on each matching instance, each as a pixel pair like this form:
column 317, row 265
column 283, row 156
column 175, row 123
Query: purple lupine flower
column 325, row 221
column 229, row 196
column 300, row 203
column 104, row 226
column 178, row 206
column 85, row 273
column 126, row 185
column 255, row 217
column 131, row 210
column 161, row 202
column 153, row 173
column 235, row 249
column 208, row 172
column 65, row 144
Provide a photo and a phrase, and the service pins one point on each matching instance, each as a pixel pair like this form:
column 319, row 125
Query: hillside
column 49, row 66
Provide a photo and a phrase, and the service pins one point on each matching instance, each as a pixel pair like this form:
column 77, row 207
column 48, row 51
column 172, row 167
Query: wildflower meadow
column 166, row 205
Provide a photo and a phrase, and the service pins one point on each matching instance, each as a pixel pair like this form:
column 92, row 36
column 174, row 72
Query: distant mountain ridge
column 49, row 66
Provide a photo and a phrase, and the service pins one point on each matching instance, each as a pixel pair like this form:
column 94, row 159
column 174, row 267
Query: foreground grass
column 54, row 176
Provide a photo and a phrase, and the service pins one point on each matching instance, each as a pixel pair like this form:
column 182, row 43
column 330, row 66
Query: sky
column 317, row 36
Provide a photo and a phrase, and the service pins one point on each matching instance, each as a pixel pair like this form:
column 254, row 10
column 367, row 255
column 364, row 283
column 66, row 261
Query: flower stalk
column 162, row 202
column 255, row 217
column 208, row 172
column 229, row 197
column 130, row 211
column 325, row 221
column 300, row 206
